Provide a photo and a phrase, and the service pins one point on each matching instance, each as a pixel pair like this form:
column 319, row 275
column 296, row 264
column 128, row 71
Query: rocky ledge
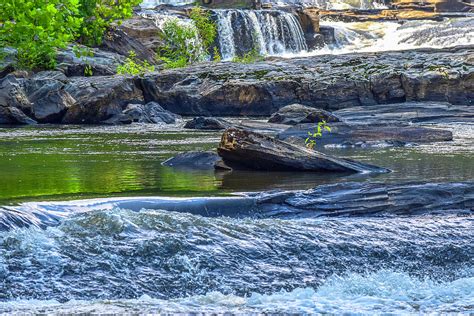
column 233, row 89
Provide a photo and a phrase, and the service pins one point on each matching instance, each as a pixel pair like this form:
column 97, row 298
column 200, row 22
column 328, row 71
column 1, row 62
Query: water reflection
column 53, row 162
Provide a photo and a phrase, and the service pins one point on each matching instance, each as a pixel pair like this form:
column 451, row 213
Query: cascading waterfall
column 270, row 32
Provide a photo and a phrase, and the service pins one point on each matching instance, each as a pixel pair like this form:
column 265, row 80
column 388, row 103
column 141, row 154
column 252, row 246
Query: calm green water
column 71, row 162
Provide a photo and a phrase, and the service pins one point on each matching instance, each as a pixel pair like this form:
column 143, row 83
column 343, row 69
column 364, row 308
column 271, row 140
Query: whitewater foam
column 380, row 292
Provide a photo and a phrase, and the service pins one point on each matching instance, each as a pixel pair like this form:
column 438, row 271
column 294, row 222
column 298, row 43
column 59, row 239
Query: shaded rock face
column 207, row 123
column 296, row 114
column 201, row 160
column 151, row 112
column 328, row 82
column 100, row 98
column 244, row 149
column 118, row 41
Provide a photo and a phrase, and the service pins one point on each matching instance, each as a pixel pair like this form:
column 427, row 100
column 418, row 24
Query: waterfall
column 270, row 32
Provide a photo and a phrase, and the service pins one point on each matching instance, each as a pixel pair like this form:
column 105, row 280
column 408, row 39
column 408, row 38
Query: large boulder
column 49, row 99
column 246, row 149
column 207, row 123
column 151, row 112
column 297, row 113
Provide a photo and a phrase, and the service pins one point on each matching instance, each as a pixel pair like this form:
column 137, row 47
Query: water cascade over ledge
column 269, row 32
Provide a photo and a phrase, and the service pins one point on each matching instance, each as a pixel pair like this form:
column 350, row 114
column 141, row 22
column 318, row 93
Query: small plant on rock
column 317, row 133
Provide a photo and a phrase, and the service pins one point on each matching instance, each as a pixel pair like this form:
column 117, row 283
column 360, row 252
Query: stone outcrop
column 242, row 149
column 328, row 82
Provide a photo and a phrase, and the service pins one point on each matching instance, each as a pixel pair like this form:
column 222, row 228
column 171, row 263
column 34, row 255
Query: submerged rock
column 245, row 149
column 297, row 113
column 194, row 160
column 207, row 123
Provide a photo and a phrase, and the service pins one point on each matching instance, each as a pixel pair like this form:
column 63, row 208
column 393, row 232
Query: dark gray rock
column 207, row 123
column 245, row 149
column 201, row 160
column 297, row 113
column 329, row 82
column 50, row 102
column 151, row 112
column 12, row 94
column 365, row 199
column 372, row 135
column 102, row 63
column 118, row 41
column 14, row 116
column 100, row 98
column 408, row 112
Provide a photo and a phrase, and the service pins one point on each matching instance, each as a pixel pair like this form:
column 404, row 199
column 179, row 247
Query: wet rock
column 376, row 134
column 297, row 113
column 365, row 199
column 207, row 123
column 202, row 160
column 151, row 112
column 245, row 149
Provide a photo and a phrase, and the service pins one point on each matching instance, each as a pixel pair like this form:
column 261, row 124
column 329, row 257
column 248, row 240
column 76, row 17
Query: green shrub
column 206, row 27
column 182, row 44
column 99, row 14
column 37, row 29
column 186, row 44
column 133, row 66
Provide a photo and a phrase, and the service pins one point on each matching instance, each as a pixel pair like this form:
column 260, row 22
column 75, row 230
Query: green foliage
column 133, row 66
column 317, row 133
column 99, row 14
column 37, row 29
column 249, row 57
column 183, row 46
column 207, row 28
column 186, row 44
